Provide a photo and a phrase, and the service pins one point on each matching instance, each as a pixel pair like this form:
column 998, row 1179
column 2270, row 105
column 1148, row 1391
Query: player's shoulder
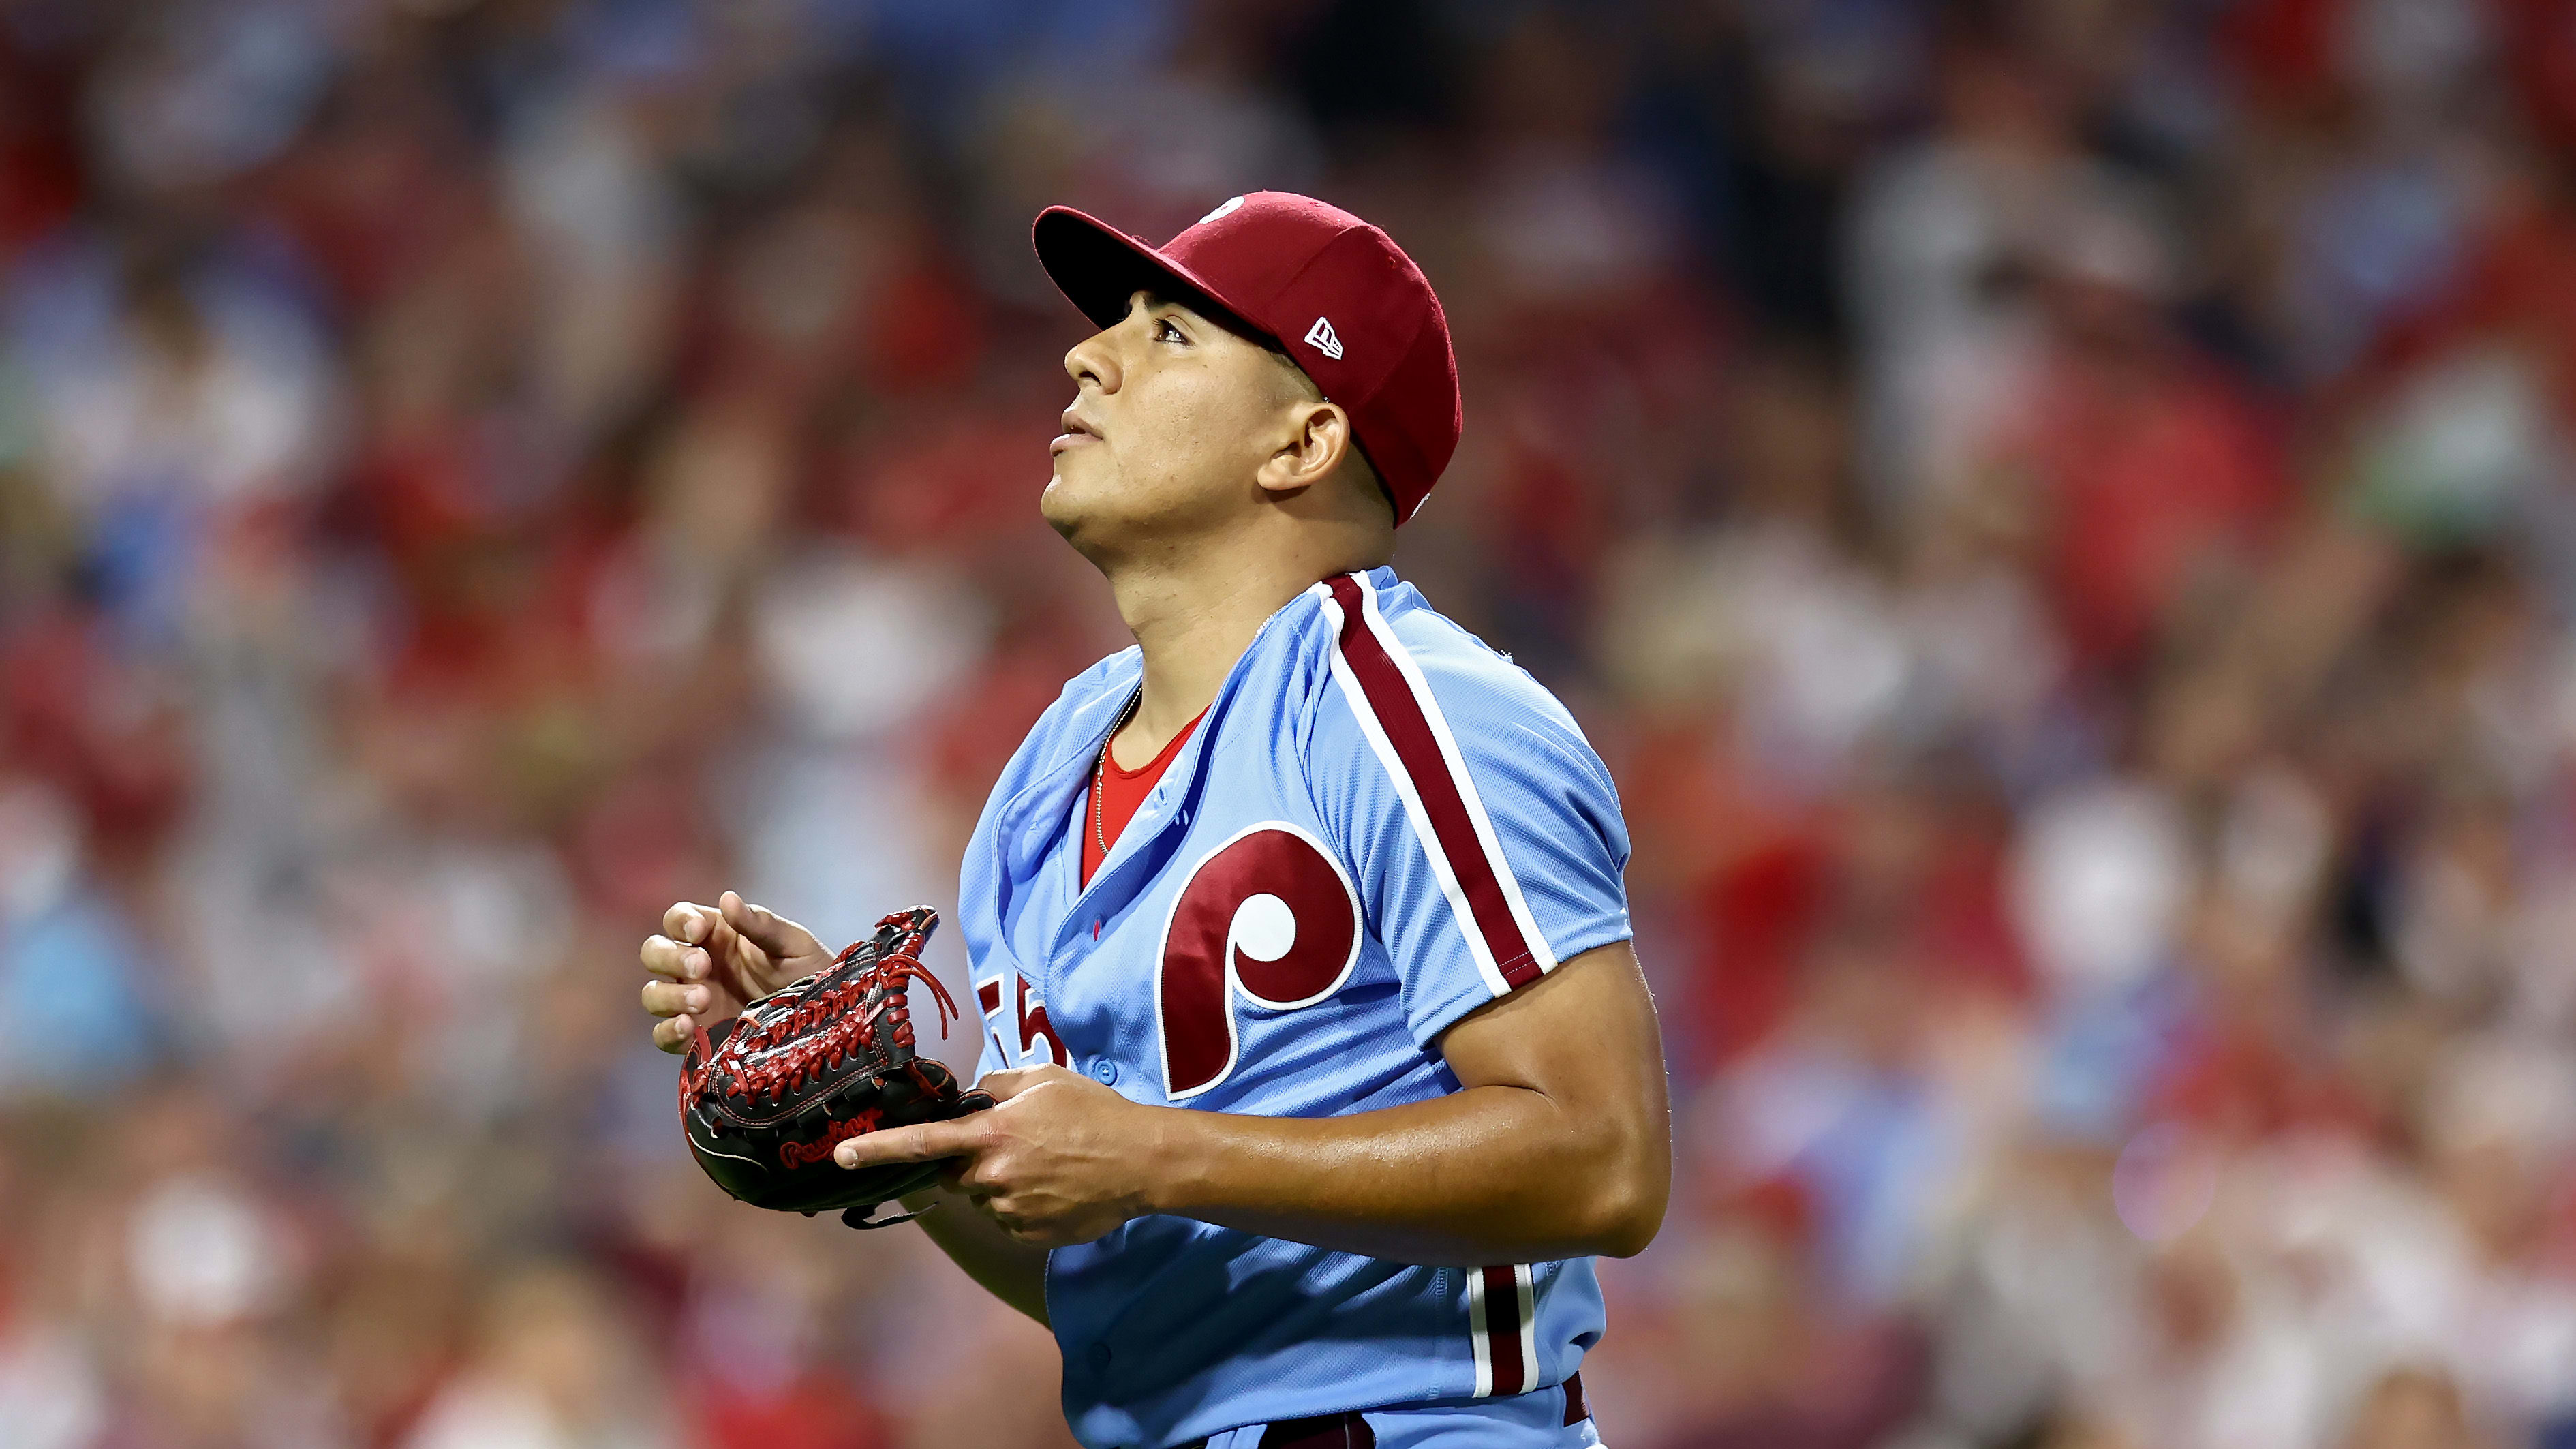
column 1383, row 633
column 1389, row 659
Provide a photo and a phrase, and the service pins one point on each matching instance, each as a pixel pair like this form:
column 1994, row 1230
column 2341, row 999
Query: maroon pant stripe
column 1503, row 1329
column 1400, row 715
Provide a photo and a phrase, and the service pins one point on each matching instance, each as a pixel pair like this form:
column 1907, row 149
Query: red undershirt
column 1114, row 800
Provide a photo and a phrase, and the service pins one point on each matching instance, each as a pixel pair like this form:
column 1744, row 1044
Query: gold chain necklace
column 1100, row 774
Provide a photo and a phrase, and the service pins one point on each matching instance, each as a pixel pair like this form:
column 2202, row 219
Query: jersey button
column 1106, row 1071
column 1099, row 1356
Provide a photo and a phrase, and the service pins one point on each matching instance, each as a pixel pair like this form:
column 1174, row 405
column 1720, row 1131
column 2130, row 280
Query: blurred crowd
column 2061, row 515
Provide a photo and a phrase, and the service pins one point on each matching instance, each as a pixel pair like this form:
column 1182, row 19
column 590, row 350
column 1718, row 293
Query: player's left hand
column 1058, row 1161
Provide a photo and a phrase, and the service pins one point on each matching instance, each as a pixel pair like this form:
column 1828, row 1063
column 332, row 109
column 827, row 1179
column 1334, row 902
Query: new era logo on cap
column 1285, row 266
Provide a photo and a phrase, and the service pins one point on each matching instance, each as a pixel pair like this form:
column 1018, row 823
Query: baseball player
column 1324, row 1065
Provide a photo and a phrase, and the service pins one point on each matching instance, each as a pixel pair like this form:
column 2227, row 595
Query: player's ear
column 1311, row 447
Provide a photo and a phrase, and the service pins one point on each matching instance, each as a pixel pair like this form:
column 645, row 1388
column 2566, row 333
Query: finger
column 666, row 998
column 676, row 960
column 675, row 1034
column 782, row 938
column 673, row 961
column 927, row 1142
column 687, row 922
column 986, row 1176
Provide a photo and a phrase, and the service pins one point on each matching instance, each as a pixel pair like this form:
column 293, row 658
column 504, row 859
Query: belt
column 1347, row 1430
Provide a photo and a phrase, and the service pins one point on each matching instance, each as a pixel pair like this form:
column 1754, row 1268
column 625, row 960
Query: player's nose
column 1095, row 361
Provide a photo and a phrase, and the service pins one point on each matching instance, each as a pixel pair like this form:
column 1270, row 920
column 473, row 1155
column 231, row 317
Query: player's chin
column 1065, row 506
column 1095, row 515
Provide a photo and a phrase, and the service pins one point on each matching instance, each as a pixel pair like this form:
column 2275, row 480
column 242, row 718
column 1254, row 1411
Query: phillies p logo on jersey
column 1267, row 916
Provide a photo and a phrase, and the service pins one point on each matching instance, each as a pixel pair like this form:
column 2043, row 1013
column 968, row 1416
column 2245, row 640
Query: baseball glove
column 766, row 1096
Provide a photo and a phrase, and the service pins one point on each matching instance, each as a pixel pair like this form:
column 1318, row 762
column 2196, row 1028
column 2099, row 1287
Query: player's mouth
column 1075, row 431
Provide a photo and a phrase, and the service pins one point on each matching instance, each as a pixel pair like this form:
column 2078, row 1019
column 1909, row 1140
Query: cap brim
column 1098, row 268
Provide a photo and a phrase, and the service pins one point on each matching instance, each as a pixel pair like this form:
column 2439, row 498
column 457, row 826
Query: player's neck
column 1192, row 622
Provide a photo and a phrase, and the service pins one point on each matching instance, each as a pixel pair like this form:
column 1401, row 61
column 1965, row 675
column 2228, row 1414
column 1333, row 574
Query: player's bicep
column 1585, row 1038
column 1585, row 1034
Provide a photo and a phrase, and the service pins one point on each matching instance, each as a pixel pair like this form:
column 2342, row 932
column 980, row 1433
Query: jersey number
column 1268, row 916
column 1032, row 1017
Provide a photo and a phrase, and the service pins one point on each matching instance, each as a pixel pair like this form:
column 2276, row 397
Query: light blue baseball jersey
column 1379, row 825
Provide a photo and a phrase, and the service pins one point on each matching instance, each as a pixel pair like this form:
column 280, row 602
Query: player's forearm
column 1490, row 1174
column 1002, row 1265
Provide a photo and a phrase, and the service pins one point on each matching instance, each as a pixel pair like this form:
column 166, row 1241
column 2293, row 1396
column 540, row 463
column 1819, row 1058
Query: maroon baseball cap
column 1337, row 294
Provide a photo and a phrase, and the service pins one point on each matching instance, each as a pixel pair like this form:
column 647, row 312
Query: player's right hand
column 710, row 960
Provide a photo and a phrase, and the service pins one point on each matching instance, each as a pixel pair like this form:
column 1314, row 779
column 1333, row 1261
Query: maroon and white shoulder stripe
column 1403, row 723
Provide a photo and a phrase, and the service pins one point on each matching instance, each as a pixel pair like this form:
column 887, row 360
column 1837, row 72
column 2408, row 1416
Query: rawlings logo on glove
column 765, row 1097
column 805, row 1154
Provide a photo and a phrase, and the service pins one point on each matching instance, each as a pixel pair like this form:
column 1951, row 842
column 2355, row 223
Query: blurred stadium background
column 2062, row 516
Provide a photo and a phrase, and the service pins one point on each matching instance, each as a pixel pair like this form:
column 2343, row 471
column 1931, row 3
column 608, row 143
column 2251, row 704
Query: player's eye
column 1166, row 330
